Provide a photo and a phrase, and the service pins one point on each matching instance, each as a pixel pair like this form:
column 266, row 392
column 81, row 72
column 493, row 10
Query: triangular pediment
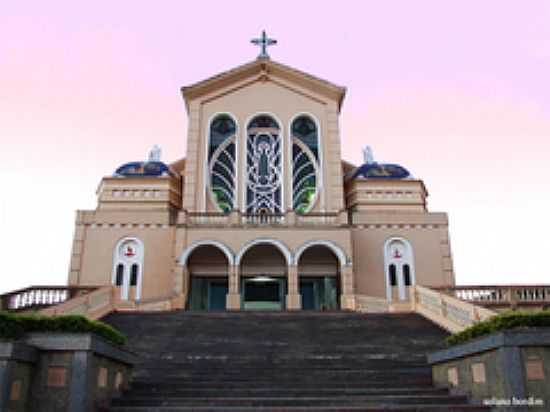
column 263, row 69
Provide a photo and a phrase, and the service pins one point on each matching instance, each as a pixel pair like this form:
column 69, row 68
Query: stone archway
column 263, row 276
column 324, row 276
column 318, row 270
column 207, row 266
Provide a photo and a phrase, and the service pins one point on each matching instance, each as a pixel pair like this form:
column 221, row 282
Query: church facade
column 262, row 212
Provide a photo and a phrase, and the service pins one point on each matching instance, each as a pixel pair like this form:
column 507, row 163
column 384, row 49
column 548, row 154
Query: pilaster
column 293, row 298
column 347, row 299
column 233, row 298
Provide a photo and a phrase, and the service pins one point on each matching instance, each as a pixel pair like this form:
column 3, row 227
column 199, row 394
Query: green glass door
column 319, row 293
column 207, row 293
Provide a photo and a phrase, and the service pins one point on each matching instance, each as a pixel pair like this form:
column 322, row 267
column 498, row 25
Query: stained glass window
column 221, row 161
column 263, row 166
column 305, row 163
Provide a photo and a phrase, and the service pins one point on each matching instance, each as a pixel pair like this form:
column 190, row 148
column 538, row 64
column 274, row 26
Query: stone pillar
column 347, row 299
column 233, row 298
column 181, row 286
column 293, row 298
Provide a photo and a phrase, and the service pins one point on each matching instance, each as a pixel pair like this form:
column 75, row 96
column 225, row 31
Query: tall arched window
column 305, row 163
column 134, row 274
column 119, row 274
column 393, row 275
column 399, row 262
column 221, row 161
column 407, row 275
column 263, row 166
column 128, row 267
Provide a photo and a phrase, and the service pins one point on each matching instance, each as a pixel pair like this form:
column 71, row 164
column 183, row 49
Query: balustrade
column 36, row 297
column 506, row 295
column 238, row 218
column 262, row 219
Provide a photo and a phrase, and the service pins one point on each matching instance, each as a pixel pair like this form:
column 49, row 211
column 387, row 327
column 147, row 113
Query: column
column 233, row 298
column 293, row 298
column 181, row 286
column 347, row 299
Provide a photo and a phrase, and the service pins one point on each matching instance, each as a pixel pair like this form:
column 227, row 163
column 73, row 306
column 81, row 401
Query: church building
column 261, row 212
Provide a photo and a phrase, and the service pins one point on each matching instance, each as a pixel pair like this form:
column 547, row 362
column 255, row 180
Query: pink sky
column 457, row 91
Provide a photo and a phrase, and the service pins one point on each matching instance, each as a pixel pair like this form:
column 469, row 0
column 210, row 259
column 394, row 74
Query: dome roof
column 146, row 169
column 380, row 171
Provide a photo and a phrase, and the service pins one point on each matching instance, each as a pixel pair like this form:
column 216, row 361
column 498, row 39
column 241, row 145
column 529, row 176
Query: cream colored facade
column 162, row 238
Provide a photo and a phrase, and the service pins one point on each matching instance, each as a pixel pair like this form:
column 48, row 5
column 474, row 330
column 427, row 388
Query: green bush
column 503, row 321
column 14, row 326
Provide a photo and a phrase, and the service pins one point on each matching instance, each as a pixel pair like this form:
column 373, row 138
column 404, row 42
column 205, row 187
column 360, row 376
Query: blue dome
column 380, row 171
column 146, row 169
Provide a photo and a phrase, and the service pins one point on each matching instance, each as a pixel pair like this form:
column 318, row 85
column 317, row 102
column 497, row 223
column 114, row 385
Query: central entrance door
column 263, row 293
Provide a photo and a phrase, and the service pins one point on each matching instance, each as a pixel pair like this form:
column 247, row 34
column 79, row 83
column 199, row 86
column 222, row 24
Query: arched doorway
column 318, row 278
column 263, row 269
column 208, row 268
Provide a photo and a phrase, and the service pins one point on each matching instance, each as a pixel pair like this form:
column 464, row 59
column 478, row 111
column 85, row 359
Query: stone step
column 282, row 361
column 372, row 400
column 385, row 408
column 223, row 391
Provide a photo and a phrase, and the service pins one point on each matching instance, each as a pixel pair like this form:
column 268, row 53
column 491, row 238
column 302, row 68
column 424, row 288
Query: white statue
column 155, row 153
column 368, row 156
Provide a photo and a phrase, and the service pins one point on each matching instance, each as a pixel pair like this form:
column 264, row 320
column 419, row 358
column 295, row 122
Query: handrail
column 500, row 295
column 449, row 312
column 93, row 305
column 36, row 297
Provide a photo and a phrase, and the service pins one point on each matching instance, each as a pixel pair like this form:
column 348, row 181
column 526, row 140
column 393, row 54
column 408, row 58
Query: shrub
column 14, row 326
column 503, row 321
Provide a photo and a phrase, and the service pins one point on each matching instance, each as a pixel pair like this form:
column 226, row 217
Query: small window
column 393, row 275
column 407, row 275
column 134, row 275
column 119, row 274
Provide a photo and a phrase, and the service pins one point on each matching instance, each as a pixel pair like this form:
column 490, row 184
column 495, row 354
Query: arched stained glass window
column 305, row 163
column 221, row 161
column 263, row 166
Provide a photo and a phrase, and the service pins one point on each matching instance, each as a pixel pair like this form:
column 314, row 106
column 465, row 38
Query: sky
column 456, row 91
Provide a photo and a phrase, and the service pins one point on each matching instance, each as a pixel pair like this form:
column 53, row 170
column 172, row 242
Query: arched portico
column 265, row 241
column 324, row 276
column 205, row 268
column 330, row 245
column 263, row 271
column 182, row 260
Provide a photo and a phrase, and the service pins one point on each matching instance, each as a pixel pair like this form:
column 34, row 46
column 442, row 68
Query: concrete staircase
column 282, row 361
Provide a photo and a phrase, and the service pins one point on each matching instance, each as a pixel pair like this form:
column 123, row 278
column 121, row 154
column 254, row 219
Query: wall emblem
column 128, row 250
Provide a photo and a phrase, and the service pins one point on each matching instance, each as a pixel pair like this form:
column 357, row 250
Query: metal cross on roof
column 263, row 42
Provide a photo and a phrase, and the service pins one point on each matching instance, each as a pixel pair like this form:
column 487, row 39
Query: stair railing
column 39, row 297
column 447, row 311
column 93, row 305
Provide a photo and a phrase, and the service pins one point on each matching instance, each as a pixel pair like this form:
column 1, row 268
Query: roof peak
column 261, row 67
